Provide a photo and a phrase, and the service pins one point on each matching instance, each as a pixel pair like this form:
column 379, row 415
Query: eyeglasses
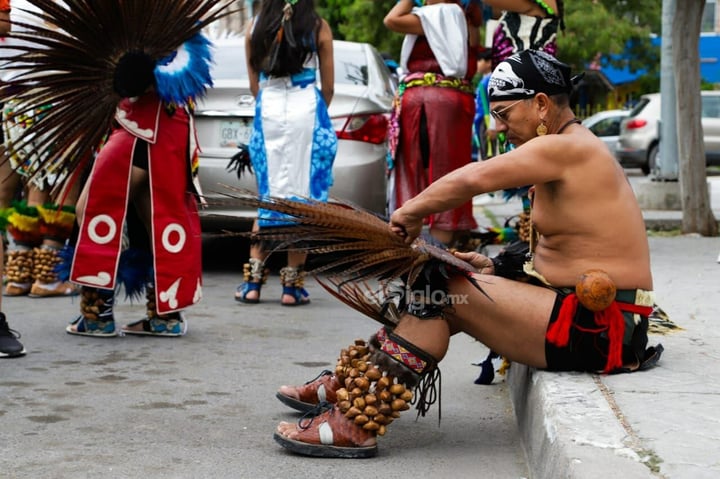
column 502, row 114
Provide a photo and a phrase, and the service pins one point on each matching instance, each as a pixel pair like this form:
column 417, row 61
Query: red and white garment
column 175, row 235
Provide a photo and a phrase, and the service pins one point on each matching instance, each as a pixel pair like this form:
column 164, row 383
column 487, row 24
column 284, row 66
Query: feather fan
column 357, row 258
column 70, row 57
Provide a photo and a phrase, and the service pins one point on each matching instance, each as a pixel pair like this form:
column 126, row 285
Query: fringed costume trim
column 56, row 222
column 4, row 218
column 24, row 224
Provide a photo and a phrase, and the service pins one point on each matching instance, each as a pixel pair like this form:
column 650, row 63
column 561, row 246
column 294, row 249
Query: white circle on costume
column 95, row 222
column 177, row 246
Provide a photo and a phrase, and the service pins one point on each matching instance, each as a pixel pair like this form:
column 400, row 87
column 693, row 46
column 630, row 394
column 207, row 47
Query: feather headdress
column 83, row 56
column 358, row 259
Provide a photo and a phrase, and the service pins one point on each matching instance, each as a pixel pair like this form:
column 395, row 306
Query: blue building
column 710, row 58
column 607, row 87
column 709, row 62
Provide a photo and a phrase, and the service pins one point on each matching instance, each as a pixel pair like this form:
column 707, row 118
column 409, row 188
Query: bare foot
column 290, row 299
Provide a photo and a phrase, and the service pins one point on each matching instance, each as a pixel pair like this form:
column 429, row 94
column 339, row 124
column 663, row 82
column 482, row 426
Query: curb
column 570, row 428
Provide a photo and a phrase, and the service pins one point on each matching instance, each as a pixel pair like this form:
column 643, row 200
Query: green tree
column 335, row 12
column 362, row 21
column 611, row 28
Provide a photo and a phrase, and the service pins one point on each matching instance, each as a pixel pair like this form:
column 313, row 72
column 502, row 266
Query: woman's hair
column 277, row 56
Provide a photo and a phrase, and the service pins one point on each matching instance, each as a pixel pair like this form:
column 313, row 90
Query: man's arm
column 4, row 17
column 538, row 161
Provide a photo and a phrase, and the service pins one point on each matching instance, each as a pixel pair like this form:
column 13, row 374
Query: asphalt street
column 203, row 406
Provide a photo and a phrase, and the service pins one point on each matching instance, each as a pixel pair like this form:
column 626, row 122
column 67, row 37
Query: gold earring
column 541, row 130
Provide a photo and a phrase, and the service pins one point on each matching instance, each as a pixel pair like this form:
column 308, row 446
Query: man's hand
column 406, row 226
column 482, row 263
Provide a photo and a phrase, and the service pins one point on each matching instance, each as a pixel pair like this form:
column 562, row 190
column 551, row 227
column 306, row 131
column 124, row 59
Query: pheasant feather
column 357, row 258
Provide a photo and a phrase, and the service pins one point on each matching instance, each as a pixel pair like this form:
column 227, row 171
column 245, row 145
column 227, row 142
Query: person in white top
column 293, row 144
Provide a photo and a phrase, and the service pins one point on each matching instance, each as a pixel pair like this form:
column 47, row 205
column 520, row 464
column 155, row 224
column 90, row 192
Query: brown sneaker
column 329, row 434
column 306, row 397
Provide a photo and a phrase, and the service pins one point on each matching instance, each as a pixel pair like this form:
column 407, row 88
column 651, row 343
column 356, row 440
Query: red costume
column 175, row 237
column 435, row 133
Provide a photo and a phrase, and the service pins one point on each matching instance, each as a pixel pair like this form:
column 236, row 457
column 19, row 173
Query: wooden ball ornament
column 595, row 290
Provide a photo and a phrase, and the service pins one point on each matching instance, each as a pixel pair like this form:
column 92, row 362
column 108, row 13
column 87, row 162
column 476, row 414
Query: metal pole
column 667, row 167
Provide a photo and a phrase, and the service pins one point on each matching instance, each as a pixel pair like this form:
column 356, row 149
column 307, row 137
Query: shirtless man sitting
column 587, row 224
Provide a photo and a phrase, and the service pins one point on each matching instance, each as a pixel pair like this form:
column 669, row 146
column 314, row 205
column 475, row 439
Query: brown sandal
column 330, row 434
column 306, row 397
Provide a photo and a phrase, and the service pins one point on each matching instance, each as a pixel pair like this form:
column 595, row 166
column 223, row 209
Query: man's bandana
column 525, row 74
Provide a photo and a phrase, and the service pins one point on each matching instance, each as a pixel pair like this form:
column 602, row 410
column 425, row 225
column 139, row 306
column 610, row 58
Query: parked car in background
column 606, row 126
column 359, row 112
column 639, row 144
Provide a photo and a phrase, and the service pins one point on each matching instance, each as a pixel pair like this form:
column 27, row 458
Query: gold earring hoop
column 541, row 130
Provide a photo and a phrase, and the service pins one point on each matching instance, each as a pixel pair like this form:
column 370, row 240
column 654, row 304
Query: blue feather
column 185, row 73
column 515, row 192
column 135, row 270
column 62, row 269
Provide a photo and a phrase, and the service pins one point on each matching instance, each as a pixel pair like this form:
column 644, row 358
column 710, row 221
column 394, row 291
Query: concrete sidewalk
column 660, row 423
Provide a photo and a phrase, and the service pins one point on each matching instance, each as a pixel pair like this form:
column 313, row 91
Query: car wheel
column 652, row 160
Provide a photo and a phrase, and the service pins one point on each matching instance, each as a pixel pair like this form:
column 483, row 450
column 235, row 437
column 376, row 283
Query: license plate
column 232, row 133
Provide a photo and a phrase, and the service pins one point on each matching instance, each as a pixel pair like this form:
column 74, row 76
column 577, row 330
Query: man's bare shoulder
column 580, row 144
